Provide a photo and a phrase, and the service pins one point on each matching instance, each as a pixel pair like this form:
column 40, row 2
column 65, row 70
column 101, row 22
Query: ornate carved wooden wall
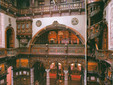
column 24, row 31
column 58, row 37
column 105, row 38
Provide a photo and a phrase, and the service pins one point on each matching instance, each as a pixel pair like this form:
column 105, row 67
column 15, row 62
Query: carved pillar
column 66, row 75
column 47, row 77
column 32, row 76
column 12, row 75
column 65, row 82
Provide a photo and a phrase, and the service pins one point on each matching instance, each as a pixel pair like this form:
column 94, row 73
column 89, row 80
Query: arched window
column 9, row 43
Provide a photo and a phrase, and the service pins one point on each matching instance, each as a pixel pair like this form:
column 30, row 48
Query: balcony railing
column 2, row 52
column 45, row 49
column 101, row 54
column 53, row 8
column 76, row 6
column 94, row 30
column 58, row 49
column 104, row 54
column 93, row 10
column 8, row 6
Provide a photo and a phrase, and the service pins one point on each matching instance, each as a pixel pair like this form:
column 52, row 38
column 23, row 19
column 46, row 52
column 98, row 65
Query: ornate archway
column 9, row 37
column 62, row 33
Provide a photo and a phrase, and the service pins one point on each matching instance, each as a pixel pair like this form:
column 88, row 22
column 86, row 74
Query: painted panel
column 92, row 66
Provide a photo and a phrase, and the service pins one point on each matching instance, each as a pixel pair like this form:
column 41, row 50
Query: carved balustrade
column 93, row 10
column 11, row 51
column 45, row 49
column 94, row 30
column 8, row 6
column 53, row 8
column 2, row 52
column 104, row 55
column 58, row 49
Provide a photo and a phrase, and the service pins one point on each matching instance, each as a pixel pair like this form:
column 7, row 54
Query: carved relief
column 24, row 30
column 74, row 21
column 38, row 23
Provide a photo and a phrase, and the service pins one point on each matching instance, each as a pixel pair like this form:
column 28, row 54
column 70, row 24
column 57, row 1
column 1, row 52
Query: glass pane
column 23, row 26
column 18, row 26
column 27, row 25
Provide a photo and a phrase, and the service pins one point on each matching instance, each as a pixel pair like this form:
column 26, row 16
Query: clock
column 38, row 23
column 74, row 21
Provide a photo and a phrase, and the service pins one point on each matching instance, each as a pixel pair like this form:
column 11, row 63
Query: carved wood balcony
column 92, row 1
column 94, row 12
column 42, row 10
column 44, row 49
column 58, row 49
column 2, row 52
column 8, row 7
column 54, row 8
column 105, row 55
column 94, row 8
column 95, row 30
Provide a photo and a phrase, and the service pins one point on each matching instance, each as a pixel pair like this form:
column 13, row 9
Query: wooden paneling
column 2, row 69
column 17, row 63
column 22, row 63
column 93, row 66
column 52, row 36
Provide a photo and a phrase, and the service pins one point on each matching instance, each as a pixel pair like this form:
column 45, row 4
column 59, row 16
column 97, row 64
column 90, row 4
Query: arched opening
column 56, row 73
column 9, row 35
column 39, row 74
column 57, row 34
column 58, row 37
column 75, row 71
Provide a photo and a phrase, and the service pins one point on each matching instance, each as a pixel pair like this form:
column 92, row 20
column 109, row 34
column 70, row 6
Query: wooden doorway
column 9, row 36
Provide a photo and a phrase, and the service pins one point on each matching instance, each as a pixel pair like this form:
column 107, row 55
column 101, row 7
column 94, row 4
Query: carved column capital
column 66, row 75
column 47, row 76
column 65, row 71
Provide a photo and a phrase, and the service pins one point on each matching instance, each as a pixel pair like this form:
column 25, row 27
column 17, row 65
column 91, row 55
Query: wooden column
column 47, row 77
column 32, row 76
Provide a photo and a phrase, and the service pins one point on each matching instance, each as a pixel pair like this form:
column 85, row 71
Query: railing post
column 32, row 76
column 66, row 77
column 46, row 48
column 66, row 48
column 47, row 76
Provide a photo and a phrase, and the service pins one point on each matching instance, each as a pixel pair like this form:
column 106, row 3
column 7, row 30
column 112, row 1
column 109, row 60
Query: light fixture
column 53, row 63
column 79, row 64
column 72, row 64
column 59, row 63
